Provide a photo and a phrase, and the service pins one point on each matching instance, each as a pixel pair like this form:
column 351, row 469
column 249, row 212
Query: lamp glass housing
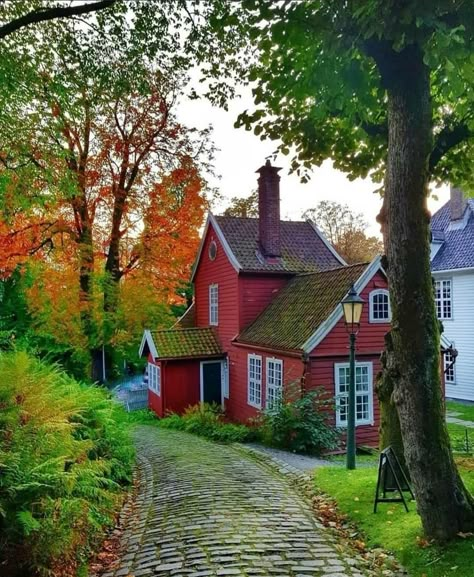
column 352, row 307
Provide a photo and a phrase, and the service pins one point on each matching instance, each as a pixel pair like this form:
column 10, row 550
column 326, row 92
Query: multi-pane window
column 444, row 299
column 449, row 367
column 154, row 378
column 363, row 382
column 380, row 307
column 213, row 304
column 274, row 383
column 254, row 392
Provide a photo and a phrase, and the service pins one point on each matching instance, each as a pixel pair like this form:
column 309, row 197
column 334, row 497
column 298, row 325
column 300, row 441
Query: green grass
column 392, row 528
column 466, row 411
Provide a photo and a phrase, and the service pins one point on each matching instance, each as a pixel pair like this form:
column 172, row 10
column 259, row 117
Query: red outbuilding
column 266, row 318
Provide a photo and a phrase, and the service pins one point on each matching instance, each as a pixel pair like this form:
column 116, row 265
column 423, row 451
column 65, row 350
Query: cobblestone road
column 208, row 510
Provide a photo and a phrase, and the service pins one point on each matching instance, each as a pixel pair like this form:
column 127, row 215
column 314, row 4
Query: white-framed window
column 364, row 395
column 274, row 383
column 379, row 306
column 154, row 378
column 444, row 298
column 225, row 379
column 214, row 304
column 449, row 368
column 254, row 388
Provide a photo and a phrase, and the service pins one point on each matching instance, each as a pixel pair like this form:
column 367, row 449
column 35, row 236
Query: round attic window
column 212, row 250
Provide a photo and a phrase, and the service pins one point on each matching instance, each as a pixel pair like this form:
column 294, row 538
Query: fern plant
column 65, row 458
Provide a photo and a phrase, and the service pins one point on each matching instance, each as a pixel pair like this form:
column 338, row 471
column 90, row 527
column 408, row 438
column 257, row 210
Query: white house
column 452, row 265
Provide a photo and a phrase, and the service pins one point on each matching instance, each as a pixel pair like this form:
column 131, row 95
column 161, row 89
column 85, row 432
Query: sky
column 241, row 153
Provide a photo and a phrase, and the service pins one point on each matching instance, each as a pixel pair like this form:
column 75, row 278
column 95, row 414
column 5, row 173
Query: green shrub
column 208, row 421
column 65, row 457
column 300, row 425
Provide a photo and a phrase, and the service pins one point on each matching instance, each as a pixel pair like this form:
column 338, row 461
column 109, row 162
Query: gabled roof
column 181, row 344
column 187, row 320
column 306, row 308
column 304, row 247
column 457, row 243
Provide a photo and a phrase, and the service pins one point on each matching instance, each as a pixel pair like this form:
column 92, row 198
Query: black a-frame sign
column 391, row 479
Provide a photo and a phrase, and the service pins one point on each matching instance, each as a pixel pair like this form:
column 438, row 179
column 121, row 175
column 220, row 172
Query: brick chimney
column 457, row 203
column 269, row 210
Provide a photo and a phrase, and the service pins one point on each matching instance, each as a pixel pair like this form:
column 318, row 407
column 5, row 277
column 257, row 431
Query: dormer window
column 380, row 311
column 214, row 304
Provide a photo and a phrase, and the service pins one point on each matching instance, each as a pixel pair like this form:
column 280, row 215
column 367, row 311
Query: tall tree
column 246, row 206
column 396, row 101
column 81, row 158
column 345, row 230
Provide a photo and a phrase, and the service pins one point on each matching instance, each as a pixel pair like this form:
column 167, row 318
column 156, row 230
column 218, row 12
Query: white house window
column 449, row 368
column 444, row 298
column 213, row 304
column 254, row 391
column 274, row 383
column 380, row 311
column 154, row 378
column 364, row 397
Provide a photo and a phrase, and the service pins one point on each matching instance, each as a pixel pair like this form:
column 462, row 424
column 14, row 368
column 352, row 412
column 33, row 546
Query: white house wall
column 460, row 331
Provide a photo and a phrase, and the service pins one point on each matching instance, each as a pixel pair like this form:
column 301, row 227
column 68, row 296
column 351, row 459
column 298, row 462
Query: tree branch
column 447, row 139
column 36, row 16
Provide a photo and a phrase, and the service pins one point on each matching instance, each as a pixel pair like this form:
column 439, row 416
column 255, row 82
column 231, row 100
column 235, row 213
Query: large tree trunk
column 443, row 503
column 390, row 434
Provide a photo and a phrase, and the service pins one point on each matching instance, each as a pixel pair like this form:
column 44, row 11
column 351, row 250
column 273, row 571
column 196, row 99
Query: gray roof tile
column 457, row 250
column 302, row 248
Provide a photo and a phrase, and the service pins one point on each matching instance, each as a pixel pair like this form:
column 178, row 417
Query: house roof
column 302, row 307
column 303, row 247
column 187, row 320
column 457, row 242
column 182, row 343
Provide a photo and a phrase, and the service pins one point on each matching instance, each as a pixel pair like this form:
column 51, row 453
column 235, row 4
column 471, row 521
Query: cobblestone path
column 208, row 510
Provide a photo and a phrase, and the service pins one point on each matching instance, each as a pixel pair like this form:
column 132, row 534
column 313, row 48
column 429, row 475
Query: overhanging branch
column 36, row 16
column 447, row 139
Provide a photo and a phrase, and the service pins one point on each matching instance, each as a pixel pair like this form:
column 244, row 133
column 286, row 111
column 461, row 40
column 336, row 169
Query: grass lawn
column 392, row 528
column 466, row 412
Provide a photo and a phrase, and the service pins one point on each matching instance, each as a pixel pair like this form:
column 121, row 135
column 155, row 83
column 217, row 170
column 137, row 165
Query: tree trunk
column 443, row 503
column 390, row 434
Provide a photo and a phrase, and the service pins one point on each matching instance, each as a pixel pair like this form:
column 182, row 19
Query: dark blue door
column 211, row 383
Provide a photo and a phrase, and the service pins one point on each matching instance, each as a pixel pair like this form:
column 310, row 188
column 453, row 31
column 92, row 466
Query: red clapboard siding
column 237, row 407
column 321, row 374
column 371, row 335
column 183, row 384
column 218, row 271
column 256, row 292
column 335, row 349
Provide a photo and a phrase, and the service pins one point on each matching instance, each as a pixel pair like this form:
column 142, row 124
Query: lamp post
column 352, row 308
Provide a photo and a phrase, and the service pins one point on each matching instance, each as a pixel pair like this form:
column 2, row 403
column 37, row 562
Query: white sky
column 241, row 153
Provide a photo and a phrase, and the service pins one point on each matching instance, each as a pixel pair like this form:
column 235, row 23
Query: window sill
column 254, row 405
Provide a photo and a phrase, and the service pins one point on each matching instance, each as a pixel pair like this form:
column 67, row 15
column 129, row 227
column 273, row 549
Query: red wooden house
column 267, row 314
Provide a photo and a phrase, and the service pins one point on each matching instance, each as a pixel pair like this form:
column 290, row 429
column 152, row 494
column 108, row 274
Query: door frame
column 201, row 378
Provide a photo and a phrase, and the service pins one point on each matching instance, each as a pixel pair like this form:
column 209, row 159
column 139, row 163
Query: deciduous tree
column 383, row 88
column 345, row 230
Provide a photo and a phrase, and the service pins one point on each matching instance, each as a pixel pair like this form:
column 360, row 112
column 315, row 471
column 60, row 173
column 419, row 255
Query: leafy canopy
column 317, row 87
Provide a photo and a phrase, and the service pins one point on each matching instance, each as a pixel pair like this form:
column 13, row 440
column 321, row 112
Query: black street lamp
column 352, row 308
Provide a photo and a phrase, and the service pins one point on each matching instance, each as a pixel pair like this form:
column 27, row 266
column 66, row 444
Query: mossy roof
column 187, row 343
column 300, row 308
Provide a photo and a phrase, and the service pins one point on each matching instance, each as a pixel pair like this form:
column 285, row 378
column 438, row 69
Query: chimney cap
column 267, row 167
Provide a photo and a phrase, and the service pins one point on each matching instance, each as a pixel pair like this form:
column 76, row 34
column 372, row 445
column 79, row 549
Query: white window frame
column 225, row 379
column 369, row 393
column 442, row 300
column 254, row 383
column 372, row 295
column 214, row 304
column 154, row 378
column 453, row 368
column 272, row 384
